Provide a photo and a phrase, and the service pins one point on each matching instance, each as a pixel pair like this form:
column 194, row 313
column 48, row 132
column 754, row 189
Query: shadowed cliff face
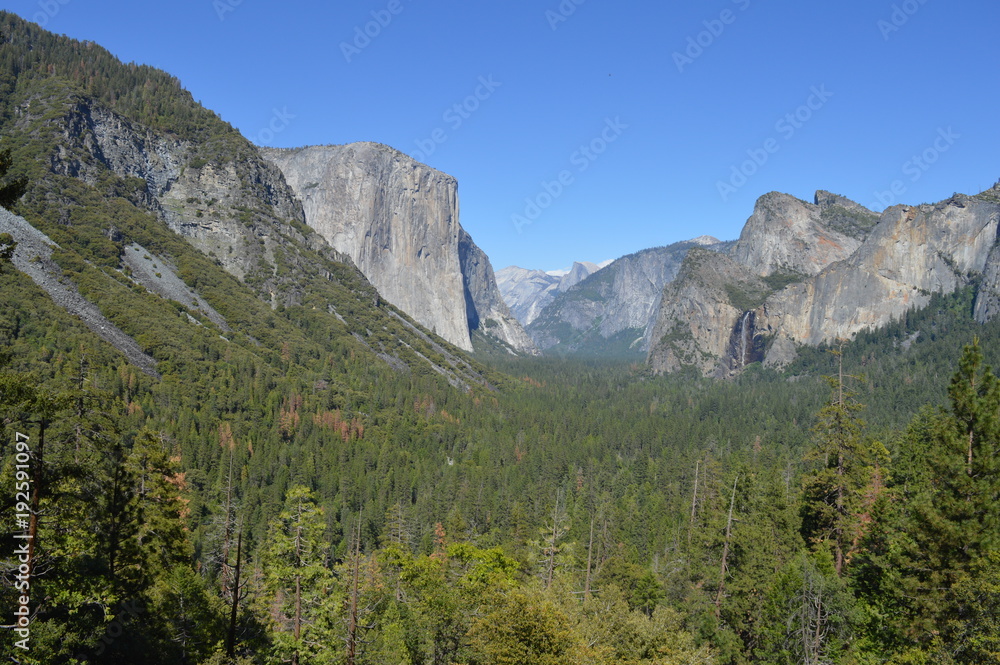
column 484, row 306
column 829, row 271
column 398, row 220
column 615, row 306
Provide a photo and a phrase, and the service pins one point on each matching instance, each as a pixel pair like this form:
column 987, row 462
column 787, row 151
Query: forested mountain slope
column 307, row 476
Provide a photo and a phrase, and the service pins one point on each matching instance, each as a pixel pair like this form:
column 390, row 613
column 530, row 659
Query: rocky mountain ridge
column 398, row 220
column 154, row 204
column 527, row 292
column 806, row 274
column 613, row 310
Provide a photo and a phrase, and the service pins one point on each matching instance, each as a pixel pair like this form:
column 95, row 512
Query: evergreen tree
column 7, row 247
column 950, row 484
column 297, row 577
column 13, row 189
column 832, row 505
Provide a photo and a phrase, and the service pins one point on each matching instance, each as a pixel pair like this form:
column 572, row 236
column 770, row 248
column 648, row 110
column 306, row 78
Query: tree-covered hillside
column 317, row 480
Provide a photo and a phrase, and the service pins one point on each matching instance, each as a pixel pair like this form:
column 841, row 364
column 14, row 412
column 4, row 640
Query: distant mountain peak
column 527, row 292
column 705, row 241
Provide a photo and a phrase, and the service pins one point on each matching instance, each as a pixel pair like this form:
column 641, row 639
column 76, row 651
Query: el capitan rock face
column 398, row 221
column 828, row 272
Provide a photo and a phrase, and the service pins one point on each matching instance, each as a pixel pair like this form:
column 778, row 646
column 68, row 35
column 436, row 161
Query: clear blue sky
column 887, row 80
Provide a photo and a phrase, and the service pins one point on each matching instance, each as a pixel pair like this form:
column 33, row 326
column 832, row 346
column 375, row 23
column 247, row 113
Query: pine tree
column 7, row 247
column 14, row 189
column 832, row 494
column 952, row 488
column 297, row 576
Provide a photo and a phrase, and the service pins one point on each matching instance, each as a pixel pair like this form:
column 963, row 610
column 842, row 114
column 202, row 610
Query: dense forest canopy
column 278, row 492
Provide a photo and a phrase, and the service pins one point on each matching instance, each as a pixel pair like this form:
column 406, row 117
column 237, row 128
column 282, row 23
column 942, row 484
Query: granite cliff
column 528, row 292
column 613, row 310
column 220, row 195
column 806, row 274
column 485, row 309
column 398, row 221
column 788, row 236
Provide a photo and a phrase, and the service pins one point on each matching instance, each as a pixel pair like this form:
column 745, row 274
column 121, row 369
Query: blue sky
column 589, row 129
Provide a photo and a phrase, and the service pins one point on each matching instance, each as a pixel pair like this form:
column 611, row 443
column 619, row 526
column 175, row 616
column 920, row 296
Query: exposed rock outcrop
column 988, row 298
column 912, row 254
column 892, row 267
column 704, row 311
column 484, row 306
column 398, row 221
column 788, row 236
column 222, row 197
column 613, row 310
column 159, row 277
column 528, row 292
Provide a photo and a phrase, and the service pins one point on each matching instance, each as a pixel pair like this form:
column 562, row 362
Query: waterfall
column 745, row 338
column 742, row 348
